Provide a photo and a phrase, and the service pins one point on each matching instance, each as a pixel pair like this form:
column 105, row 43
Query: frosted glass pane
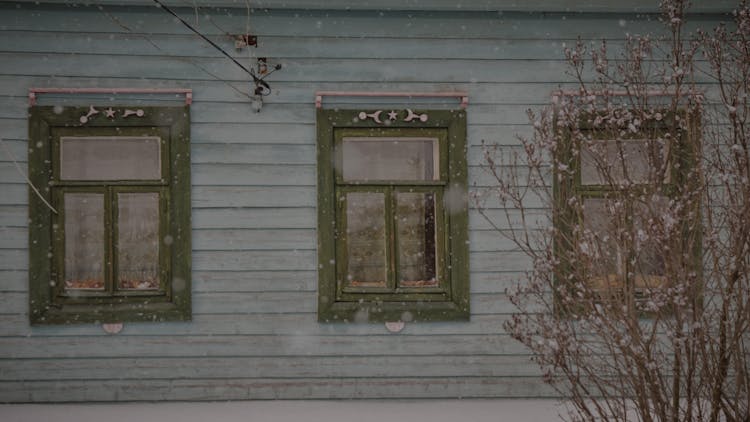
column 649, row 267
column 372, row 158
column 415, row 214
column 365, row 233
column 600, row 244
column 110, row 158
column 602, row 161
column 84, row 241
column 138, row 241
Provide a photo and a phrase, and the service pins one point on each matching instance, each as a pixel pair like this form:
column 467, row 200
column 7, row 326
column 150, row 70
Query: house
column 262, row 233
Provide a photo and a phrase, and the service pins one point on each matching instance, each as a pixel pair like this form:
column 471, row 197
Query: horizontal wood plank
column 255, row 324
column 249, row 389
column 565, row 6
column 103, row 346
column 135, row 368
column 342, row 23
column 255, row 218
column 253, row 196
column 253, row 239
column 243, row 175
column 126, row 44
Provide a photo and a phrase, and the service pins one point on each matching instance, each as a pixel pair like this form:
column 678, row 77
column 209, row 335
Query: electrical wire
column 259, row 90
column 153, row 44
column 258, row 81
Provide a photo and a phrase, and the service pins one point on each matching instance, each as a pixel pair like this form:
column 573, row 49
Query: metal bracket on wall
column 33, row 92
column 462, row 96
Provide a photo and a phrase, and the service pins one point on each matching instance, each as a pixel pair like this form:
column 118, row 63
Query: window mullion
column 341, row 256
column 58, row 242
column 165, row 247
column 391, row 248
column 441, row 235
column 110, row 226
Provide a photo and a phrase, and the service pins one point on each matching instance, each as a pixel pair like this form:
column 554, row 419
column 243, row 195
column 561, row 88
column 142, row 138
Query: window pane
column 600, row 245
column 602, row 161
column 415, row 214
column 138, row 241
column 649, row 268
column 371, row 158
column 365, row 234
column 84, row 240
column 110, row 158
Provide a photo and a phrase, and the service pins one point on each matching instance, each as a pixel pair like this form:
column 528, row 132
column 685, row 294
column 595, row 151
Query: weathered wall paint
column 254, row 333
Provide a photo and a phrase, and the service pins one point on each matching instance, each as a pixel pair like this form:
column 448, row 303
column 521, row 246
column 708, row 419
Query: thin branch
column 25, row 177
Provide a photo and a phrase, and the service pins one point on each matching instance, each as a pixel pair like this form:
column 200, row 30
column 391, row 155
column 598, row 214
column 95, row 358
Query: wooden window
column 608, row 198
column 392, row 217
column 109, row 233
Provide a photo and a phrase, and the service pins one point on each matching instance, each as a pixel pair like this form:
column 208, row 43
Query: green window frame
column 679, row 154
column 420, row 222
column 109, row 218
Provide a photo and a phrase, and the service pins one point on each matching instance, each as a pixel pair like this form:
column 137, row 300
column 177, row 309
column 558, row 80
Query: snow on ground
column 495, row 410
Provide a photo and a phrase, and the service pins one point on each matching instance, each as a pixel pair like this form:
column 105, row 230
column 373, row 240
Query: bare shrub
column 637, row 302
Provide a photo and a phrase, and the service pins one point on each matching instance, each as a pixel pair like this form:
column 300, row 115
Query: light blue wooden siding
column 254, row 333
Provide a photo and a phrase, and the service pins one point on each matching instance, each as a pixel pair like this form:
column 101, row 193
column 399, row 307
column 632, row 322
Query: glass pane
column 110, row 158
column 415, row 214
column 365, row 234
column 649, row 268
column 84, row 240
column 371, row 158
column 138, row 241
column 600, row 245
column 602, row 161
